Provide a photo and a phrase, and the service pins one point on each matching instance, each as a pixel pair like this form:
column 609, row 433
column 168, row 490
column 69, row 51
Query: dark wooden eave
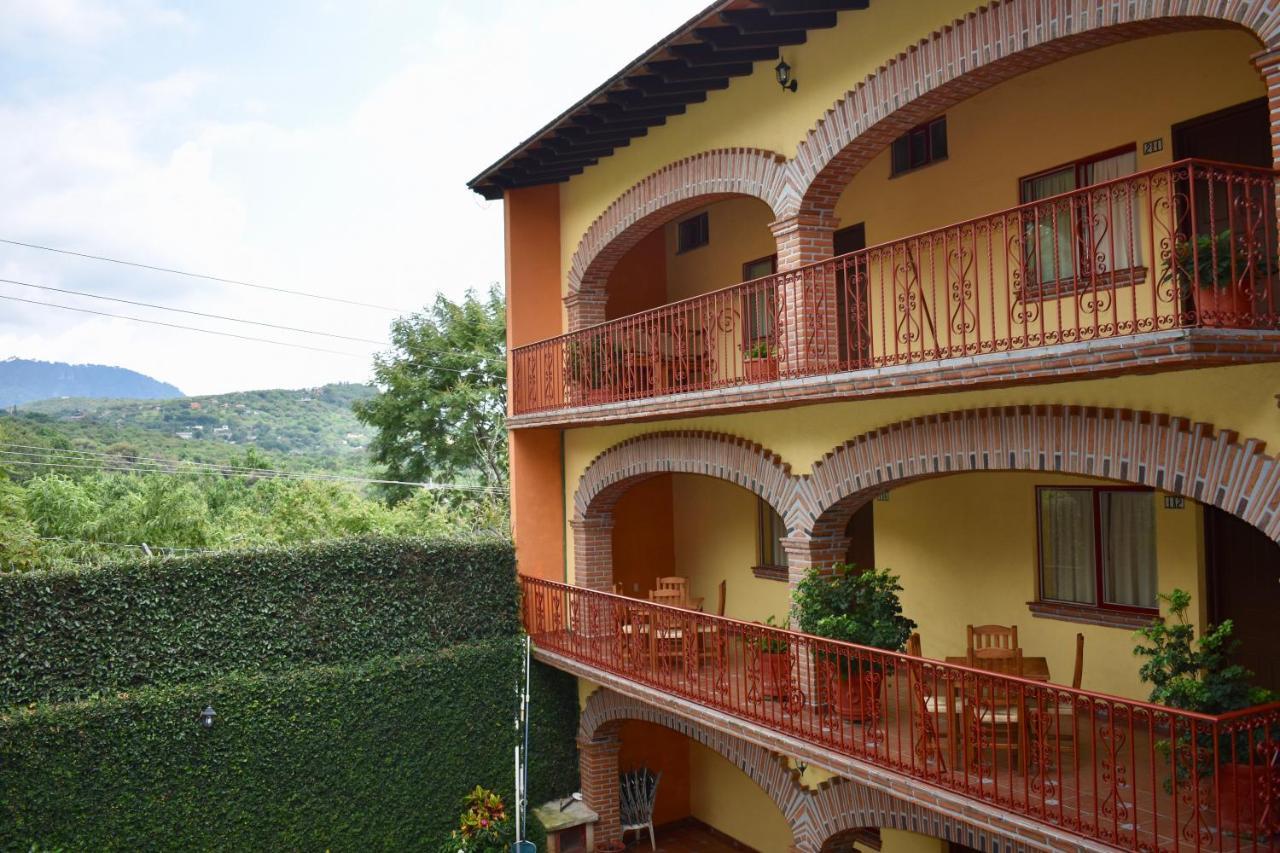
column 721, row 42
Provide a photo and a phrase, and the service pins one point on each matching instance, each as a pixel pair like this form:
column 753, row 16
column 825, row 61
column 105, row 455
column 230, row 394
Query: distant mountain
column 315, row 422
column 23, row 380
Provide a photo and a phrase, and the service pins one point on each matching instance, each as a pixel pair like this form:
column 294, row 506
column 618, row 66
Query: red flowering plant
column 484, row 826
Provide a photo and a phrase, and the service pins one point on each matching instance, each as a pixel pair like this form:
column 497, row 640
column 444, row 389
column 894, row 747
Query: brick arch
column 673, row 190
column 814, row 816
column 711, row 454
column 997, row 42
column 1142, row 448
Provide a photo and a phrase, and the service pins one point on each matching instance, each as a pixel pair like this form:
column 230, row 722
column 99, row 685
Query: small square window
column 920, row 146
column 692, row 233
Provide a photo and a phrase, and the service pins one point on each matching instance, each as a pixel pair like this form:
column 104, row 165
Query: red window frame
column 1099, row 581
column 699, row 225
column 931, row 153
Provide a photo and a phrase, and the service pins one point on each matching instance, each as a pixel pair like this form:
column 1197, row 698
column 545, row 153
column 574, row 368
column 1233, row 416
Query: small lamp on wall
column 785, row 80
column 207, row 715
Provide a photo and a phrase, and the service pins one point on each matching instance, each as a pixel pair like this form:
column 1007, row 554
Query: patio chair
column 992, row 637
column 638, row 792
column 992, row 710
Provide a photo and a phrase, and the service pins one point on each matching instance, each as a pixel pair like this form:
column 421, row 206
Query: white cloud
column 77, row 23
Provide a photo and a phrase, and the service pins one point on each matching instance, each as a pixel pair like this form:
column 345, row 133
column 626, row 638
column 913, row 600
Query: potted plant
column 758, row 362
column 770, row 663
column 1225, row 272
column 860, row 607
column 1197, row 675
column 589, row 367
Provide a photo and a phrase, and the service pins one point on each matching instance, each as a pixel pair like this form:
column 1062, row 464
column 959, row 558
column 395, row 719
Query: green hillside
column 308, row 429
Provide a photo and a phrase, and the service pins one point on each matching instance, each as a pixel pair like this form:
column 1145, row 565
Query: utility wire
column 94, row 460
column 464, row 353
column 192, row 313
column 204, row 276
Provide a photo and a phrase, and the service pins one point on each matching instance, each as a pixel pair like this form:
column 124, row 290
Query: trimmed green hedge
column 371, row 756
column 67, row 635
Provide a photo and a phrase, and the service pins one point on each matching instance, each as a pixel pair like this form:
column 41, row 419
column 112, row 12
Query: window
column 1071, row 241
column 758, row 303
column 771, row 529
column 1097, row 547
column 692, row 233
column 920, row 146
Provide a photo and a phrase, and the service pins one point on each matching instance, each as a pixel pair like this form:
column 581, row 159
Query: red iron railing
column 1187, row 245
column 1130, row 774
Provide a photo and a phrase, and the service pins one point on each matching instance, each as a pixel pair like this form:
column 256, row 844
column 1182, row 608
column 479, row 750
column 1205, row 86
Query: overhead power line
column 97, row 460
column 204, row 276
column 479, row 356
column 187, row 311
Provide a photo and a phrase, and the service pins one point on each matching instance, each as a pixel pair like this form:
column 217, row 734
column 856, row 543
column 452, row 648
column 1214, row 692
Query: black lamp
column 207, row 715
column 785, row 80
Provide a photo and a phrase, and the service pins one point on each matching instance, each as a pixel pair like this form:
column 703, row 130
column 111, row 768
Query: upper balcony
column 1171, row 266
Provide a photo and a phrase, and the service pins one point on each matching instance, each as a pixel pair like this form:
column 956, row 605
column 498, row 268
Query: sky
column 316, row 146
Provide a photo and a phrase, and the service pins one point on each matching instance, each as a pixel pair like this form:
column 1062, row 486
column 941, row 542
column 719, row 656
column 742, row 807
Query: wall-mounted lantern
column 785, row 80
column 207, row 715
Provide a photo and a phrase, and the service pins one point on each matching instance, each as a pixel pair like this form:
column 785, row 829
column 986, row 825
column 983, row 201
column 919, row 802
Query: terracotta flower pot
column 760, row 369
column 774, row 673
column 1240, row 805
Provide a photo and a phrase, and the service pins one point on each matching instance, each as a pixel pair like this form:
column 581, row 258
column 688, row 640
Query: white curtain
column 1111, row 217
column 1050, row 227
column 1129, row 548
column 1066, row 545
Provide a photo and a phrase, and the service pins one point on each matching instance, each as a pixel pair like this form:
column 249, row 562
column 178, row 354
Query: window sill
column 1086, row 615
column 771, row 573
column 1078, row 286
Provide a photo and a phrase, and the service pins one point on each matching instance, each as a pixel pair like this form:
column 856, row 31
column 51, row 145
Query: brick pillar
column 598, row 767
column 593, row 552
column 804, row 553
column 1268, row 64
column 808, row 337
column 586, row 307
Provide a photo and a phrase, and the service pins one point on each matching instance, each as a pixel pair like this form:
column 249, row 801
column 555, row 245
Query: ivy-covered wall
column 372, row 749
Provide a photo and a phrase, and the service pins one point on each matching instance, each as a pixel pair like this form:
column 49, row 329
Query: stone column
column 585, row 308
column 808, row 334
column 598, row 767
column 804, row 553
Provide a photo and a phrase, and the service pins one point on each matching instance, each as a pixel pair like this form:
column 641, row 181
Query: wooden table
column 1035, row 669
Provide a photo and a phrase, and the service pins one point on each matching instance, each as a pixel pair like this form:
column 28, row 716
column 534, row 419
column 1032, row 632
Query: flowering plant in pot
column 860, row 607
column 484, row 826
column 758, row 362
column 1196, row 674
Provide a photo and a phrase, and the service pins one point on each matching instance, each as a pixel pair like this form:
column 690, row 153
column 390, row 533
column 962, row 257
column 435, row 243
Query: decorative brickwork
column 813, row 815
column 998, row 41
column 598, row 769
column 1142, row 448
column 666, row 194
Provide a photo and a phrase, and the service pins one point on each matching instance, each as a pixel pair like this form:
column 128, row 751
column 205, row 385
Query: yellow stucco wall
column 715, row 539
column 723, row 796
column 1030, row 123
column 901, row 841
column 1048, row 117
column 739, row 232
column 961, row 573
column 753, row 111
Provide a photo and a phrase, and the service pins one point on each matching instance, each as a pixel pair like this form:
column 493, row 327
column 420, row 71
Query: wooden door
column 1244, row 586
column 853, row 333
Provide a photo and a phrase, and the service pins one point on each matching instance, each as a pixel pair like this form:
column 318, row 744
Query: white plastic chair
column 639, row 791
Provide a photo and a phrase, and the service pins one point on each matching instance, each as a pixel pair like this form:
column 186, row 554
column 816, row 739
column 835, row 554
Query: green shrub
column 371, row 756
column 73, row 634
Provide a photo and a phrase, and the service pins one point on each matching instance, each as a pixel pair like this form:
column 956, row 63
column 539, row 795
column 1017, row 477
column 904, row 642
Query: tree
column 440, row 413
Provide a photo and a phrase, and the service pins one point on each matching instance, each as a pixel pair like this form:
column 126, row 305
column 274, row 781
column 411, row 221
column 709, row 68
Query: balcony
column 1186, row 250
column 1100, row 768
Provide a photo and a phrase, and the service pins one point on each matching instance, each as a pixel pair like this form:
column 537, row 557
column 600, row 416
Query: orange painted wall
column 639, row 281
column 532, row 220
column 659, row 748
column 643, row 536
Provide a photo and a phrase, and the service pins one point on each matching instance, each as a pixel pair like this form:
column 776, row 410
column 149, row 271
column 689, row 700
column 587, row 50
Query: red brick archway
column 814, row 815
column 1163, row 452
column 622, row 466
column 998, row 41
column 675, row 189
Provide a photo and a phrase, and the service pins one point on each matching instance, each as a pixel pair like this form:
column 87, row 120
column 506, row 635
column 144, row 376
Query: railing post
column 808, row 333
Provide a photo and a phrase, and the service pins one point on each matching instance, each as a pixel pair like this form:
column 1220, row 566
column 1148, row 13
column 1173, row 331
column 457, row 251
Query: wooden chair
column 992, row 711
column 667, row 629
column 673, row 582
column 992, row 637
column 927, row 710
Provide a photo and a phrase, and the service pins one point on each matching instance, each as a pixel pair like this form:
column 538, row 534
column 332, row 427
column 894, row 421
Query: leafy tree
column 441, row 410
